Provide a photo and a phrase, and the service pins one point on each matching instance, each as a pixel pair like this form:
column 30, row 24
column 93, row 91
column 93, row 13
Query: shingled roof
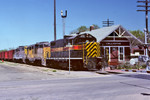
column 102, row 33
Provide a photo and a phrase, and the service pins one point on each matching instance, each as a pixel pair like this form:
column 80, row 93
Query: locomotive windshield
column 83, row 38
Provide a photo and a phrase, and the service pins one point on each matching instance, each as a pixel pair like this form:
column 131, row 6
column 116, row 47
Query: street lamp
column 63, row 20
column 69, row 45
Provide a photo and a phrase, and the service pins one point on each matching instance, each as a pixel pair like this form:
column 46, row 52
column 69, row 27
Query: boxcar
column 10, row 55
column 0, row 55
column 6, row 55
column 3, row 55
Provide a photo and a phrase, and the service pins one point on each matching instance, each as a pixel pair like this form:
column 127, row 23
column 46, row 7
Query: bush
column 120, row 67
column 124, row 66
column 143, row 66
column 127, row 65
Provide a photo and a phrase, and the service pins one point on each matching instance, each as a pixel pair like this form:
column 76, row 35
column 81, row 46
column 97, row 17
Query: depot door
column 114, row 54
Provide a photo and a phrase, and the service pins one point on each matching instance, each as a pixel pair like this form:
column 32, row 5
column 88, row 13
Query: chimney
column 91, row 27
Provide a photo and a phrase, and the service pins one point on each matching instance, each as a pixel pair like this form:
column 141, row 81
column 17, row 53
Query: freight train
column 83, row 49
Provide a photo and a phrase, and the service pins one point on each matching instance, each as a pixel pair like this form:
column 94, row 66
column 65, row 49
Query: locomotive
column 84, row 52
column 83, row 48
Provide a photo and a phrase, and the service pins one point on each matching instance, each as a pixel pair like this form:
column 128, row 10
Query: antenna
column 63, row 20
column 108, row 23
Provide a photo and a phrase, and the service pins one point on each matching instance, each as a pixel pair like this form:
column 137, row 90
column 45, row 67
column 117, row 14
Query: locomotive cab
column 81, row 38
column 89, row 50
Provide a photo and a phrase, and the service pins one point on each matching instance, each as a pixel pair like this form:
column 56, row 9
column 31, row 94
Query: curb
column 148, row 71
column 142, row 71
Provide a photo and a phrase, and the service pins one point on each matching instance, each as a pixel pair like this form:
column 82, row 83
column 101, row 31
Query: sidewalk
column 51, row 72
column 125, row 70
column 109, row 71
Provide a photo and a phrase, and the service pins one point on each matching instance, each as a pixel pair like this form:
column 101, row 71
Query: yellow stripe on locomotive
column 92, row 49
column 47, row 53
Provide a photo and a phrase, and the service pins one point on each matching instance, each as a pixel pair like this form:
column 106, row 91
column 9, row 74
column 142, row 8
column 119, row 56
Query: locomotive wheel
column 91, row 65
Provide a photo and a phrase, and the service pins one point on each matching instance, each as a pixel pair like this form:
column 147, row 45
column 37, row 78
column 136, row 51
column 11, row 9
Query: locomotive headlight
column 87, row 41
column 61, row 13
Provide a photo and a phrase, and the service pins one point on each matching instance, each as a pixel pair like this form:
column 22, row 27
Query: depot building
column 115, row 43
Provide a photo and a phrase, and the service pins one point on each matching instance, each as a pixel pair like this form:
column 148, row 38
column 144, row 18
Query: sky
column 25, row 22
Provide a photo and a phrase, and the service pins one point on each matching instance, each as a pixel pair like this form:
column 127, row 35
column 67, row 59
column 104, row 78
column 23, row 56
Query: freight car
column 6, row 55
column 10, row 55
column 2, row 55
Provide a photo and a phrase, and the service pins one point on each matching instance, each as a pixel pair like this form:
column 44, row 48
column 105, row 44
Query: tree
column 96, row 26
column 82, row 29
column 74, row 31
column 139, row 34
column 3, row 50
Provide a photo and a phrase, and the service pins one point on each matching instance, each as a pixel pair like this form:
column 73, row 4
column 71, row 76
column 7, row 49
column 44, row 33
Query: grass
column 1, row 61
column 46, row 70
column 54, row 70
column 13, row 64
column 49, row 70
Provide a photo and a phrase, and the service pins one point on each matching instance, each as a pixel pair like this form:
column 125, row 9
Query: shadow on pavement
column 145, row 94
column 107, row 72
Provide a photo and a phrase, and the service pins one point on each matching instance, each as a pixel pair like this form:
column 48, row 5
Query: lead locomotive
column 84, row 52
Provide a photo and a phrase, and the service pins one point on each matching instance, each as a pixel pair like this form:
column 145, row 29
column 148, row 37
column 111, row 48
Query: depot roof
column 102, row 33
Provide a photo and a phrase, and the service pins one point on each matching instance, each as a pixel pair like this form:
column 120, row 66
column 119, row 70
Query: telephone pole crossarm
column 107, row 23
column 146, row 10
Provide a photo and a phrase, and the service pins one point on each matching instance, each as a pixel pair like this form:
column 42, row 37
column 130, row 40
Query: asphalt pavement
column 26, row 84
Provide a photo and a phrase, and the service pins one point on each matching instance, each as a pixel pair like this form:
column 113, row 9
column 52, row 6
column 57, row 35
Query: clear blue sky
column 25, row 22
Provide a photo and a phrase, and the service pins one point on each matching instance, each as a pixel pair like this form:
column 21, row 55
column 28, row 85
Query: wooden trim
column 116, row 33
column 114, row 41
column 123, row 33
column 119, row 37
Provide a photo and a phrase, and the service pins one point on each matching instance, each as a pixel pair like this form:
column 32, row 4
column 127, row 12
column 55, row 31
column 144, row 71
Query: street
column 19, row 84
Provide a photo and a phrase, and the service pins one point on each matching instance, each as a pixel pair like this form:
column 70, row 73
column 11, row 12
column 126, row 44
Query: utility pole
column 108, row 23
column 63, row 20
column 146, row 10
column 54, row 20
